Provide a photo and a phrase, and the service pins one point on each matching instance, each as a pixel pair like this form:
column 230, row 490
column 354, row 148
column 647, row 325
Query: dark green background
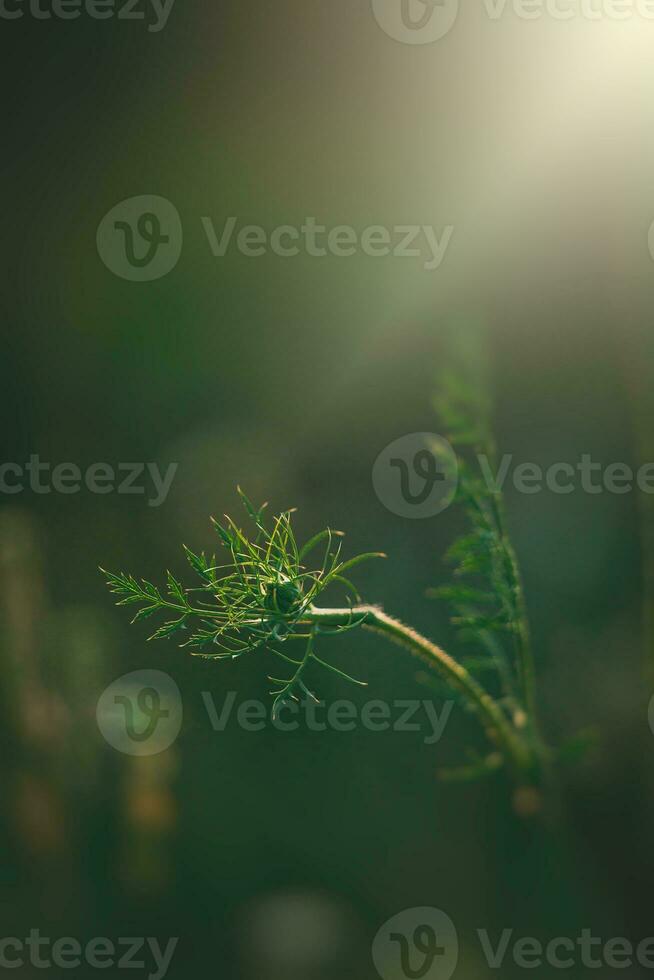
column 289, row 376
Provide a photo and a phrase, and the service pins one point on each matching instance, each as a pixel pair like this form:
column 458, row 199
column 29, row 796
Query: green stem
column 516, row 751
column 522, row 635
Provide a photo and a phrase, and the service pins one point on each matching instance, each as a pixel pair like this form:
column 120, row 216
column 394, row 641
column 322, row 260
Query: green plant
column 267, row 597
column 487, row 593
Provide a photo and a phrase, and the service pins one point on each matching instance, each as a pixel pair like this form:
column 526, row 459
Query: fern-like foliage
column 261, row 598
column 486, row 593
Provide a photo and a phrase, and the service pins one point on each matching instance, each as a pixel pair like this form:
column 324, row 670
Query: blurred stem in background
column 35, row 718
column 487, row 593
column 54, row 669
column 151, row 819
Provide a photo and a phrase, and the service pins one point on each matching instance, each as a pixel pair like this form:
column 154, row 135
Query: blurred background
column 277, row 855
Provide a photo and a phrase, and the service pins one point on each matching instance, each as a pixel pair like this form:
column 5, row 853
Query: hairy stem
column 515, row 749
